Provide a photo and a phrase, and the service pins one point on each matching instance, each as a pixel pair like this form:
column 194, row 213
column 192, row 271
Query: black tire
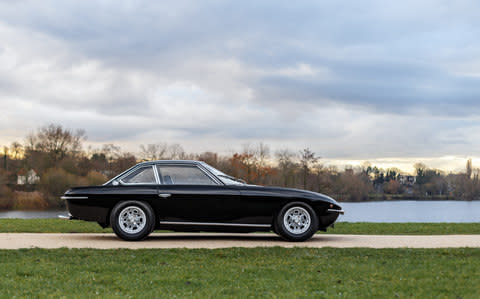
column 302, row 230
column 132, row 220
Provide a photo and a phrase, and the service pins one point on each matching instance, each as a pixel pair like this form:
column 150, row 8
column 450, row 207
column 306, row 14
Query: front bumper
column 341, row 212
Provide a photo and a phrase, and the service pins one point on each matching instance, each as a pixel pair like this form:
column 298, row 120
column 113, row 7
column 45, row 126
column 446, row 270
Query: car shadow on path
column 215, row 237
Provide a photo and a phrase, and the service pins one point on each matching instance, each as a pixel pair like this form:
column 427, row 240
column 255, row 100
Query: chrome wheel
column 132, row 220
column 297, row 220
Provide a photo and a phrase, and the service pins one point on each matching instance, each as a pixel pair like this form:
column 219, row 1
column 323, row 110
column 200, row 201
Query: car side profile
column 192, row 196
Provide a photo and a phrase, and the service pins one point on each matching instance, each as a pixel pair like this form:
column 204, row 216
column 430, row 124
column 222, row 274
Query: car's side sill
column 214, row 224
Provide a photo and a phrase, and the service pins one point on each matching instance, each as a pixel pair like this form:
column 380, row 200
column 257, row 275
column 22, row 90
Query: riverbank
column 77, row 226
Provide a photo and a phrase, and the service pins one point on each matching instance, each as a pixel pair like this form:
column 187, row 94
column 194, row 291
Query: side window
column 143, row 175
column 183, row 175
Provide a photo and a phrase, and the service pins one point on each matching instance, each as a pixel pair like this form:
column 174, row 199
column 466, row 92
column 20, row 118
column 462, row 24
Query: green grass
column 66, row 226
column 370, row 228
column 49, row 226
column 241, row 273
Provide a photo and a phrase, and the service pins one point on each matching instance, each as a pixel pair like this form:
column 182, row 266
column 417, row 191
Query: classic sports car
column 192, row 196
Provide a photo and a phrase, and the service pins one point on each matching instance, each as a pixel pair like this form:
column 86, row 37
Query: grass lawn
column 241, row 273
column 66, row 226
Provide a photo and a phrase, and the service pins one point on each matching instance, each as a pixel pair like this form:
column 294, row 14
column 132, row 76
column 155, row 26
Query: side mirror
column 115, row 183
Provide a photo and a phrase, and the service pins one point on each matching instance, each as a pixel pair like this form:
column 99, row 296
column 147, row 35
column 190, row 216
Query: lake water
column 411, row 211
column 32, row 214
column 376, row 211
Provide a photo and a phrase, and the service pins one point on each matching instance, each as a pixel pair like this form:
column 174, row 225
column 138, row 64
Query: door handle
column 164, row 195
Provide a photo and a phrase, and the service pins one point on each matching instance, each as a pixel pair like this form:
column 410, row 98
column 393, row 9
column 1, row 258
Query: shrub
column 54, row 182
column 6, row 198
column 95, row 178
column 29, row 201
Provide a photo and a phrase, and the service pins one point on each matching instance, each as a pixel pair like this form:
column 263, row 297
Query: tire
column 296, row 222
column 132, row 220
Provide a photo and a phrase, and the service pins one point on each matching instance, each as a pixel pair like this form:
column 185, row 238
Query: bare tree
column 111, row 151
column 176, row 152
column 286, row 165
column 249, row 155
column 154, row 151
column 56, row 141
column 263, row 152
column 16, row 150
column 307, row 160
column 262, row 167
column 5, row 154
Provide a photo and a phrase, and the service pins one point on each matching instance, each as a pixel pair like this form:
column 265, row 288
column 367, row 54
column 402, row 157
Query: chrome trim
column 154, row 164
column 122, row 173
column 68, row 217
column 200, row 167
column 74, row 197
column 209, row 174
column 133, row 184
column 214, row 224
column 336, row 211
column 157, row 177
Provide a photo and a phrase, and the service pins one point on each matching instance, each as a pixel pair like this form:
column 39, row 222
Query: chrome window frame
column 157, row 177
column 215, row 180
column 120, row 177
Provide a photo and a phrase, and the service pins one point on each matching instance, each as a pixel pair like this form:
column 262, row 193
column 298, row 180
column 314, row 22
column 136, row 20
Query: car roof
column 170, row 162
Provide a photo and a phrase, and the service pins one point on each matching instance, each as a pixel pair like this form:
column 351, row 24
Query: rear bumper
column 83, row 210
column 67, row 217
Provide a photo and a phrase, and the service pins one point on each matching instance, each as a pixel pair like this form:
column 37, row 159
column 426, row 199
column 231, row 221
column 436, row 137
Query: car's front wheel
column 132, row 220
column 296, row 222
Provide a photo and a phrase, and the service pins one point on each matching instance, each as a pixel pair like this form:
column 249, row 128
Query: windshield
column 226, row 179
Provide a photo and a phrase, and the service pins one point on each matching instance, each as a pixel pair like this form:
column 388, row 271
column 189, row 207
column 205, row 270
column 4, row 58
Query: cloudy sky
column 391, row 81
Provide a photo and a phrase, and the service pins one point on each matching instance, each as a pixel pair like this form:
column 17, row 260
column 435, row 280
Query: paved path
column 211, row 240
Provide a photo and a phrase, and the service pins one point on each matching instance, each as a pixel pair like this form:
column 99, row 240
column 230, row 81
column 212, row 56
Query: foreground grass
column 49, row 226
column 66, row 226
column 241, row 272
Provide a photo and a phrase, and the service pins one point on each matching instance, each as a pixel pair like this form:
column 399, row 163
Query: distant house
column 29, row 177
column 407, row 180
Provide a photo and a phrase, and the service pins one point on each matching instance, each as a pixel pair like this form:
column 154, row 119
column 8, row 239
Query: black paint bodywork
column 226, row 208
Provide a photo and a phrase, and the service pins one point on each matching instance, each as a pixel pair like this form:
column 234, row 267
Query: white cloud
column 376, row 80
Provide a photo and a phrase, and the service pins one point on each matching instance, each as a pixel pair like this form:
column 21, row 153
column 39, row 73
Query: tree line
column 57, row 156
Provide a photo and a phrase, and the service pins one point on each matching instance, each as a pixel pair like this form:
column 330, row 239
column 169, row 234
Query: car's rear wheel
column 132, row 220
column 296, row 222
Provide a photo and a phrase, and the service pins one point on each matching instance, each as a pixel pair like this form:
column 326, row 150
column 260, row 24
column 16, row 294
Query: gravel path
column 210, row 240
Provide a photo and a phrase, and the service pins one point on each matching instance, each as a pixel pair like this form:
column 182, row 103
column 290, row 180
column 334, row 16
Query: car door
column 189, row 194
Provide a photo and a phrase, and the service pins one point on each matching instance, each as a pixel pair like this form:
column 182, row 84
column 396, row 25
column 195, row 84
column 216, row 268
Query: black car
column 191, row 196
